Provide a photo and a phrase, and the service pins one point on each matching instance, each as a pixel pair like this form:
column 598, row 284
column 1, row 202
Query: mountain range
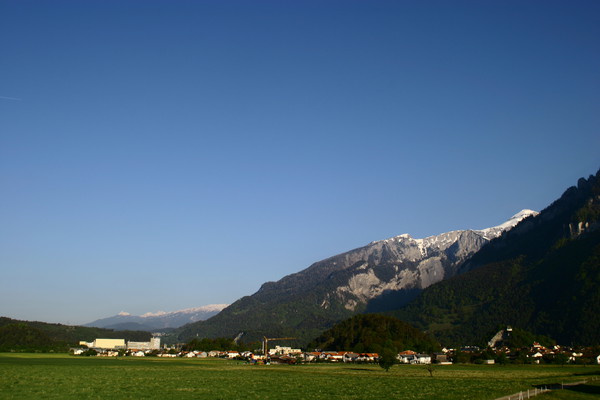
column 157, row 321
column 366, row 279
column 542, row 276
column 536, row 272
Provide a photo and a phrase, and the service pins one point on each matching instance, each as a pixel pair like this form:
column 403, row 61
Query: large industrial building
column 116, row 344
column 105, row 344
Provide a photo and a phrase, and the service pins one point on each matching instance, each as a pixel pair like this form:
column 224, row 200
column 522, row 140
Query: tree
column 461, row 357
column 387, row 358
column 561, row 358
column 502, row 358
column 430, row 369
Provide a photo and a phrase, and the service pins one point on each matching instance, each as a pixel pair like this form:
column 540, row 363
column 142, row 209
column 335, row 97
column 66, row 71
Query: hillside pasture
column 62, row 376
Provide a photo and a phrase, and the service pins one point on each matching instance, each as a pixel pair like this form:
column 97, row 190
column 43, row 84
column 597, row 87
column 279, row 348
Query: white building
column 153, row 344
column 284, row 350
column 114, row 344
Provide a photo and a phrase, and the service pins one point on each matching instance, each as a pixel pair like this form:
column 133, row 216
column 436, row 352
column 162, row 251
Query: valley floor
column 64, row 376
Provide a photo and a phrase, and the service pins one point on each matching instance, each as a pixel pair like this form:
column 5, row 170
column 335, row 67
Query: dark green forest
column 27, row 336
column 298, row 316
column 543, row 276
column 372, row 333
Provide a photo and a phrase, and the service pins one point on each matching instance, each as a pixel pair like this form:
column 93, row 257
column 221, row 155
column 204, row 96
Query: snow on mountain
column 152, row 321
column 403, row 263
column 444, row 239
column 211, row 308
column 496, row 231
column 381, row 276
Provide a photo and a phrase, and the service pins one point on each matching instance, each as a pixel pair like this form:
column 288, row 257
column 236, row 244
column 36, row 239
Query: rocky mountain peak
column 390, row 266
column 403, row 263
column 379, row 276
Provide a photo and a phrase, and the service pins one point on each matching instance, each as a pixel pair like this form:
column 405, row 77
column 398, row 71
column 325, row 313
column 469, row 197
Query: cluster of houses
column 536, row 353
column 288, row 355
column 279, row 354
column 285, row 355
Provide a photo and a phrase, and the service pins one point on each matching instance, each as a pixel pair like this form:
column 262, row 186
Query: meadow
column 62, row 376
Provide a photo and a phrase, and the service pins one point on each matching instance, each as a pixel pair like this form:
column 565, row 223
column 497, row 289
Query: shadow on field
column 360, row 369
column 587, row 389
column 593, row 373
column 579, row 387
column 550, row 386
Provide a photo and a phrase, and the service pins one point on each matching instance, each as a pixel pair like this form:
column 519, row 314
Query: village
column 535, row 354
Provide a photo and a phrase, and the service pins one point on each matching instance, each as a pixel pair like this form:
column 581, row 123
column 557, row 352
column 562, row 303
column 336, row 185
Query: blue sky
column 160, row 155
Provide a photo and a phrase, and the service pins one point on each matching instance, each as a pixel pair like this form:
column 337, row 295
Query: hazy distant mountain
column 158, row 320
column 542, row 276
column 306, row 303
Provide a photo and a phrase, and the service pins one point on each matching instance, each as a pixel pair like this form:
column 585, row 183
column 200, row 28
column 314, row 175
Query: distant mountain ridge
column 158, row 320
column 306, row 303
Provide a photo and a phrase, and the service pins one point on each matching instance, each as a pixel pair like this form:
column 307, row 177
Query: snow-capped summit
column 153, row 321
column 496, row 231
column 446, row 239
column 381, row 276
column 194, row 310
column 401, row 263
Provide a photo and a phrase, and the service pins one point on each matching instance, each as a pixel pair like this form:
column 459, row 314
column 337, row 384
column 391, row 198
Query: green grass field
column 64, row 376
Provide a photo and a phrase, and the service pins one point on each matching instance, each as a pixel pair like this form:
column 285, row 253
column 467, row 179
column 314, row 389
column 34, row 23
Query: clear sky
column 161, row 155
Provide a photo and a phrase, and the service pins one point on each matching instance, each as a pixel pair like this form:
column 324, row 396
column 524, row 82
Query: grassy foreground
column 64, row 376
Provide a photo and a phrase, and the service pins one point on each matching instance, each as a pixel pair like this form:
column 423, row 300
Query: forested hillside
column 543, row 276
column 372, row 333
column 18, row 335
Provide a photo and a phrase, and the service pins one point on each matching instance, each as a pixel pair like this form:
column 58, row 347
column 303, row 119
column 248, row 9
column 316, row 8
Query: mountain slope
column 542, row 276
column 159, row 320
column 306, row 303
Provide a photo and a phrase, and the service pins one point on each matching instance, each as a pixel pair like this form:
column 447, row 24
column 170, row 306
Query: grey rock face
column 382, row 275
column 400, row 263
